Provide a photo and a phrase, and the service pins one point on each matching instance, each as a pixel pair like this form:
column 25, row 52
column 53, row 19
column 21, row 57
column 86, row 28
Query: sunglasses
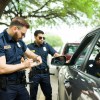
column 41, row 38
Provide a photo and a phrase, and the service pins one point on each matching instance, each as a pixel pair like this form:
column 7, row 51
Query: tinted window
column 81, row 58
column 93, row 65
column 84, row 49
column 70, row 49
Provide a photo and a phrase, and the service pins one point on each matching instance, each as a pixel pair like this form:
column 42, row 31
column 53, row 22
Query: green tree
column 54, row 40
column 51, row 12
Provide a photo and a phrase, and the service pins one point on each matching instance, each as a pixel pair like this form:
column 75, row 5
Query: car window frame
column 90, row 51
column 80, row 48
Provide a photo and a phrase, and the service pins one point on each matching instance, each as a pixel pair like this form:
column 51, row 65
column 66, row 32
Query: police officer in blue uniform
column 12, row 48
column 40, row 74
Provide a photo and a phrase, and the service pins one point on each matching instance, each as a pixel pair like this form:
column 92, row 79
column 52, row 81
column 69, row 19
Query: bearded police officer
column 12, row 48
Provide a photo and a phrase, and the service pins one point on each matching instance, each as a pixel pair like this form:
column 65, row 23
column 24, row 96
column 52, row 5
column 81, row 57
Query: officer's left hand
column 34, row 64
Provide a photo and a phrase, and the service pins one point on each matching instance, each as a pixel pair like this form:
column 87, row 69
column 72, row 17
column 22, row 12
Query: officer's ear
column 14, row 28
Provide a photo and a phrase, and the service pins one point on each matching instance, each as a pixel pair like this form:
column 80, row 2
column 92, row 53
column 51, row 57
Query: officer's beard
column 15, row 36
column 39, row 42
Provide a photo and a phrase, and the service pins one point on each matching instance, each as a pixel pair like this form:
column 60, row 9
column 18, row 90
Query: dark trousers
column 14, row 92
column 44, row 81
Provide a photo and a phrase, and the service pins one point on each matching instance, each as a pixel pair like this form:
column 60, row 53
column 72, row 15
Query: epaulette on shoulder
column 46, row 43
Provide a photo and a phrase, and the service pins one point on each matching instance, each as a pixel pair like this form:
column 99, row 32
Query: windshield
column 71, row 49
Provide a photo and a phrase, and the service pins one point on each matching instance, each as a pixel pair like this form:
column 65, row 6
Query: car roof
column 72, row 43
column 96, row 29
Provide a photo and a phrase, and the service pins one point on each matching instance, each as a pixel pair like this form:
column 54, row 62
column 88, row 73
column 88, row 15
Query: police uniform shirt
column 11, row 49
column 43, row 50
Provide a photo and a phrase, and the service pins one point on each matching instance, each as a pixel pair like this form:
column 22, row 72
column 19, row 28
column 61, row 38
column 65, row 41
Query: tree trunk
column 3, row 4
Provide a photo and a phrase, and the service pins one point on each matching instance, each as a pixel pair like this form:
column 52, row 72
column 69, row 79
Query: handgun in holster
column 35, row 71
column 3, row 83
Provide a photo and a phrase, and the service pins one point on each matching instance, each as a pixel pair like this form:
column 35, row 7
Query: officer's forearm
column 6, row 69
column 31, row 55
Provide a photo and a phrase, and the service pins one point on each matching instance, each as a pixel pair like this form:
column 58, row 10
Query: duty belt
column 40, row 71
column 18, row 81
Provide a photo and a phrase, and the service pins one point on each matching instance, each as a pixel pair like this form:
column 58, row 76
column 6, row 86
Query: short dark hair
column 18, row 21
column 38, row 32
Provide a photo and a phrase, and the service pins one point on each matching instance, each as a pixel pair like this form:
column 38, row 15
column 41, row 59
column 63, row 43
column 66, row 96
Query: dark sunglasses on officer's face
column 41, row 38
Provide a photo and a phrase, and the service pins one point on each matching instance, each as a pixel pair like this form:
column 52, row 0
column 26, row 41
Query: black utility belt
column 18, row 81
column 6, row 81
column 40, row 71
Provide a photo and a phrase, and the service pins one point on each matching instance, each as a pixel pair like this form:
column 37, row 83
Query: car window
column 81, row 58
column 93, row 65
column 86, row 46
column 70, row 49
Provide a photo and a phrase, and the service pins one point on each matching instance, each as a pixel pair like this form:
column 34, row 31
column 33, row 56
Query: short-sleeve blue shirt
column 42, row 50
column 13, row 51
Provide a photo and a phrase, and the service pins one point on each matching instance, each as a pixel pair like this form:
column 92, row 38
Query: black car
column 79, row 79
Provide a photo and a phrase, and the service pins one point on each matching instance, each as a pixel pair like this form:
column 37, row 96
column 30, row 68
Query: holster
column 35, row 71
column 3, row 83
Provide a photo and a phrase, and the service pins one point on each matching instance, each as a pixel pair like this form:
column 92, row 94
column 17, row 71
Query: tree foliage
column 51, row 12
column 54, row 40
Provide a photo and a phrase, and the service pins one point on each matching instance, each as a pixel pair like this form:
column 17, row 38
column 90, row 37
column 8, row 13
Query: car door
column 79, row 83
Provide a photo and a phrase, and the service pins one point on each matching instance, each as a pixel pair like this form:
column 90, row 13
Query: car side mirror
column 60, row 60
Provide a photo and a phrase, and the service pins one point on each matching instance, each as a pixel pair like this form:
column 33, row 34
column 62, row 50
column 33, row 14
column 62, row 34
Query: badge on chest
column 44, row 48
column 18, row 44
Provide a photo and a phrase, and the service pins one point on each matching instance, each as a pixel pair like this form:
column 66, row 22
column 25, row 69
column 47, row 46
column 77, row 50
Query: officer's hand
column 28, row 63
column 34, row 64
column 38, row 60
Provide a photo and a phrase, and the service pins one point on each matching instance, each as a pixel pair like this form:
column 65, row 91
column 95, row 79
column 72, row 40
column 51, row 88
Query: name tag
column 7, row 46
